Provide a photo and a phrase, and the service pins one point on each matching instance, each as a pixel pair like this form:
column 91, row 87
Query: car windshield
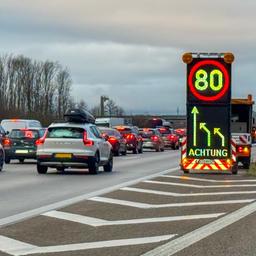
column 65, row 132
column 21, row 134
column 147, row 134
column 124, row 130
column 109, row 132
column 15, row 124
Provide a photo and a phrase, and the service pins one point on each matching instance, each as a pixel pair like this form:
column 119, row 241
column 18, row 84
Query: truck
column 241, row 128
column 109, row 121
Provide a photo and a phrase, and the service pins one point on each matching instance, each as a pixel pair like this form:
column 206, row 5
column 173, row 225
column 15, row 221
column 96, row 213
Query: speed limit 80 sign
column 208, row 81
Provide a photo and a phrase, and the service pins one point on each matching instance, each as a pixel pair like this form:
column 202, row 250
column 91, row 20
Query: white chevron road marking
column 17, row 248
column 157, row 192
column 95, row 222
column 155, row 206
column 197, row 186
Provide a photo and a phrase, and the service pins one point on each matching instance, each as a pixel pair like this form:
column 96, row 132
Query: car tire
column 21, row 161
column 135, row 150
column 158, row 149
column 93, row 165
column 109, row 166
column 140, row 149
column 162, row 149
column 246, row 165
column 60, row 169
column 41, row 169
column 124, row 153
column 186, row 171
column 2, row 162
column 116, row 153
column 7, row 160
column 234, row 169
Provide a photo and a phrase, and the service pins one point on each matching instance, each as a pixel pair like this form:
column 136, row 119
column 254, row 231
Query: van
column 9, row 124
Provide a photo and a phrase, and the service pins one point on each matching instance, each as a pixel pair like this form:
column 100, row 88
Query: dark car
column 133, row 139
column 115, row 138
column 152, row 139
column 21, row 144
column 171, row 139
column 2, row 134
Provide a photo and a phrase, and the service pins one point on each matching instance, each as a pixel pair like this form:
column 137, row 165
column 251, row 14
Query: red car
column 115, row 138
column 133, row 139
column 171, row 139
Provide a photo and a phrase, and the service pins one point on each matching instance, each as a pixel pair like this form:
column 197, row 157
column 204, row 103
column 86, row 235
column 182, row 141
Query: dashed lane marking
column 191, row 238
column 155, row 206
column 158, row 192
column 207, row 180
column 17, row 248
column 197, row 186
column 95, row 222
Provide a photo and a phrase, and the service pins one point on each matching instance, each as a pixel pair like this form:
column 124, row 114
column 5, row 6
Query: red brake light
column 240, row 149
column 41, row 140
column 154, row 138
column 112, row 139
column 7, row 142
column 87, row 142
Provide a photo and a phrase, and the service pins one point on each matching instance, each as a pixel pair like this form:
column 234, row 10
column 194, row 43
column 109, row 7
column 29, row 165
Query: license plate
column 63, row 155
column 21, row 151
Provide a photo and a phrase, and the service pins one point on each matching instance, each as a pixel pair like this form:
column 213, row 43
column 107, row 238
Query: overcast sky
column 131, row 50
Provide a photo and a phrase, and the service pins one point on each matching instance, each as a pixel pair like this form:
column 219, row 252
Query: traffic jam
column 198, row 189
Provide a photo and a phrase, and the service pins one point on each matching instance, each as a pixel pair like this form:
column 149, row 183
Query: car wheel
column 162, row 149
column 7, row 160
column 158, row 149
column 186, row 171
column 135, row 150
column 42, row 169
column 1, row 163
column 109, row 166
column 60, row 169
column 124, row 152
column 177, row 146
column 246, row 165
column 21, row 161
column 93, row 165
column 234, row 169
column 116, row 153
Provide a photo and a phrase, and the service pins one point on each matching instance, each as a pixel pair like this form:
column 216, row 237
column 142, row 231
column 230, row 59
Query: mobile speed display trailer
column 208, row 145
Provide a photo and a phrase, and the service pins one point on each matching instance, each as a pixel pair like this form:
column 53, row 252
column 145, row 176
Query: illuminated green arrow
column 194, row 112
column 217, row 131
column 203, row 127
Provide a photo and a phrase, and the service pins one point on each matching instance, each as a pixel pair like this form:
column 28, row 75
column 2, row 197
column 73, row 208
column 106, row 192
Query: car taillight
column 41, row 140
column 171, row 137
column 130, row 137
column 7, row 142
column 154, row 138
column 240, row 149
column 87, row 142
column 112, row 139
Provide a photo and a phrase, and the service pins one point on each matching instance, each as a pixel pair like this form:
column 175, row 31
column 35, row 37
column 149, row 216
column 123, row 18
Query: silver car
column 73, row 145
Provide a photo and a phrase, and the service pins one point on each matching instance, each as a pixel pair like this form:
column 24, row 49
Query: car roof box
column 77, row 115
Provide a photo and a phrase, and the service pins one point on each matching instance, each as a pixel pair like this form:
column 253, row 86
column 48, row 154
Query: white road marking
column 14, row 247
column 163, row 193
column 207, row 180
column 197, row 186
column 18, row 250
column 95, row 222
column 155, row 206
column 191, row 238
column 28, row 214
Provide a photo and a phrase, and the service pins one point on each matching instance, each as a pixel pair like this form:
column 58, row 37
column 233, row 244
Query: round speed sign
column 208, row 80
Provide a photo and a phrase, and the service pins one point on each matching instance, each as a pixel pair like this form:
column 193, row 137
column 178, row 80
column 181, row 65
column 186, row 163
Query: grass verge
column 252, row 169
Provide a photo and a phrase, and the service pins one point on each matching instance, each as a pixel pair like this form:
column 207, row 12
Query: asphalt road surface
column 145, row 207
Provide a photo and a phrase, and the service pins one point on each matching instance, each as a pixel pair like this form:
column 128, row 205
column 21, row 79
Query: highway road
column 145, row 207
column 22, row 189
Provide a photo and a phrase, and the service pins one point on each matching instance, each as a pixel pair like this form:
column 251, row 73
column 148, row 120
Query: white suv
column 73, row 145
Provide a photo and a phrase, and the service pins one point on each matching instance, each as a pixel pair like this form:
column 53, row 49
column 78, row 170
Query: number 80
column 201, row 83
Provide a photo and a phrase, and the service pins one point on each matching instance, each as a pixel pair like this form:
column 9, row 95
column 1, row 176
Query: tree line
column 39, row 90
column 33, row 89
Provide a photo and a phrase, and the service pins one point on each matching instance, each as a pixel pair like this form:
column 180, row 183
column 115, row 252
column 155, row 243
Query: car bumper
column 150, row 145
column 20, row 153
